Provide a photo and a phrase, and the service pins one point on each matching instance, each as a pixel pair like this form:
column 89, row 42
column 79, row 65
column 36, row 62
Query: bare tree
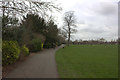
column 15, row 8
column 69, row 25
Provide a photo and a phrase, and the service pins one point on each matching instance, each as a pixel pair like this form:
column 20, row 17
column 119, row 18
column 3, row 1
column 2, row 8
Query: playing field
column 88, row 61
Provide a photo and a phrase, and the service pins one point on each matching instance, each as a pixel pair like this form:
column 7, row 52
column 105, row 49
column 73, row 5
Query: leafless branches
column 20, row 7
column 69, row 24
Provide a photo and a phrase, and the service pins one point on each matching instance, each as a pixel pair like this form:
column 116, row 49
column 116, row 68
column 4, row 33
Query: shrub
column 0, row 46
column 49, row 45
column 10, row 52
column 35, row 45
column 58, row 44
column 25, row 50
column 42, row 45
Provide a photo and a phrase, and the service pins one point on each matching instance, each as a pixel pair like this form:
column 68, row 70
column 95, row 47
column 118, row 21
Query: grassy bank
column 88, row 61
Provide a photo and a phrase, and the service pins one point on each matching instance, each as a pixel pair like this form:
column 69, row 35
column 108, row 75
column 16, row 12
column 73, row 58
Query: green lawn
column 88, row 61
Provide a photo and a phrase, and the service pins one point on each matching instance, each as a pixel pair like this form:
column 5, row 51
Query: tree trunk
column 69, row 36
column 3, row 16
column 68, row 39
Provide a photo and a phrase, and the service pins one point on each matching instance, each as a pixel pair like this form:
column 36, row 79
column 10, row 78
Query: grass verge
column 88, row 61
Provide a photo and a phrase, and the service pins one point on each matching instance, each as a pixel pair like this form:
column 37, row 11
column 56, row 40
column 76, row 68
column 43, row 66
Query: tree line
column 93, row 42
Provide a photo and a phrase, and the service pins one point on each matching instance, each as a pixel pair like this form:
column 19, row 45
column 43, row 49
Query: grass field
column 88, row 61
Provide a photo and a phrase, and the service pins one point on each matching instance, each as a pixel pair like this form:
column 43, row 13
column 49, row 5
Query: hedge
column 35, row 45
column 49, row 45
column 10, row 52
column 25, row 50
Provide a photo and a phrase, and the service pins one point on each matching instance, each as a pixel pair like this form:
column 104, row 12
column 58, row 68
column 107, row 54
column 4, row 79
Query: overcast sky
column 96, row 18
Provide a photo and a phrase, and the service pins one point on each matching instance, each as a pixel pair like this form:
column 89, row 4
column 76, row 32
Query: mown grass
column 88, row 61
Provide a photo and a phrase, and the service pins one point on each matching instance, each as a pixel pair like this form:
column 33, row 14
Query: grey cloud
column 106, row 8
column 81, row 22
column 93, row 29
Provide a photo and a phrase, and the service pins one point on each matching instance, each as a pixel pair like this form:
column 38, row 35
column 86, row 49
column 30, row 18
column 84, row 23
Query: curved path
column 40, row 65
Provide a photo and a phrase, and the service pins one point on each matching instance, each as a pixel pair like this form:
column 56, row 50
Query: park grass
column 88, row 61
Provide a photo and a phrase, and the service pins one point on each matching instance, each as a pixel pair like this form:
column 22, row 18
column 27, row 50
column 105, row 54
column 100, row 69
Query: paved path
column 40, row 65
